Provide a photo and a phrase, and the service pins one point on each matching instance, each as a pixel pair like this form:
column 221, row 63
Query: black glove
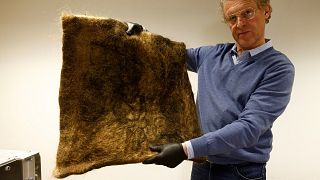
column 134, row 28
column 170, row 155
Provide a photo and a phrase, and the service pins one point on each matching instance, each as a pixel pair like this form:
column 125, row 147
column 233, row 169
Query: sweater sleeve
column 195, row 57
column 264, row 106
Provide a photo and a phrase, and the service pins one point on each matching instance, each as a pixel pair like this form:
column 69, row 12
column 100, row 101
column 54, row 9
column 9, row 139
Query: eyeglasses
column 246, row 14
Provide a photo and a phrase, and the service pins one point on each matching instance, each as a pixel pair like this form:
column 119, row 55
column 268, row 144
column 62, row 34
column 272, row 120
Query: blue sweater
column 238, row 103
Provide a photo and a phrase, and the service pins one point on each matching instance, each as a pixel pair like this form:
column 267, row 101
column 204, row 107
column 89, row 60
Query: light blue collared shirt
column 236, row 59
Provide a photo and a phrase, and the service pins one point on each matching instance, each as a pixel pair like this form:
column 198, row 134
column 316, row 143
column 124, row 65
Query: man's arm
column 265, row 105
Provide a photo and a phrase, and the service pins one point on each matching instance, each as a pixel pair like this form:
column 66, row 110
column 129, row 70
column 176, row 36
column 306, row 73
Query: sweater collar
column 256, row 50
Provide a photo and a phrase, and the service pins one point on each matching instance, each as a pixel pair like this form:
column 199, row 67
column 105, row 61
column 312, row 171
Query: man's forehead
column 233, row 6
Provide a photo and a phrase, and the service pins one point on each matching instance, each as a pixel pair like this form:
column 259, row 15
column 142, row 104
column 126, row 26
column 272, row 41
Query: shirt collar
column 256, row 50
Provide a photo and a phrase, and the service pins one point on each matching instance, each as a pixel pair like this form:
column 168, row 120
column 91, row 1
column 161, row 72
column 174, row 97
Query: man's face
column 246, row 22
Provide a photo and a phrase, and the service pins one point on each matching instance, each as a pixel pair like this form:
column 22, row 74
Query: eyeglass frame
column 240, row 14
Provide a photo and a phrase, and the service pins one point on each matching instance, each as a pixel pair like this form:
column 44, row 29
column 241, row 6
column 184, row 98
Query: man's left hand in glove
column 135, row 28
column 170, row 155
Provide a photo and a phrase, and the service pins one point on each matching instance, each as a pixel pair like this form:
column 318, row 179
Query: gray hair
column 260, row 3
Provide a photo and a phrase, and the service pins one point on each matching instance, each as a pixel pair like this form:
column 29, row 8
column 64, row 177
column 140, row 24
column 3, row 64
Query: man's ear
column 268, row 11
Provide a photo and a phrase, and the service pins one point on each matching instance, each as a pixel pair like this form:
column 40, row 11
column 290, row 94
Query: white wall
column 30, row 64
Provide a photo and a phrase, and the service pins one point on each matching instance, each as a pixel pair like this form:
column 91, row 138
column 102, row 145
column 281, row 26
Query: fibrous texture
column 119, row 94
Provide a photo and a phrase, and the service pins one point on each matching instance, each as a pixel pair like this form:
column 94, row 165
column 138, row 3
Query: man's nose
column 240, row 22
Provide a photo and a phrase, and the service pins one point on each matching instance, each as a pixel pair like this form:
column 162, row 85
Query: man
column 243, row 88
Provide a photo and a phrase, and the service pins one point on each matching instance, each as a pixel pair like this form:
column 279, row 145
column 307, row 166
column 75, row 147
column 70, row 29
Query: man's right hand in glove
column 170, row 155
